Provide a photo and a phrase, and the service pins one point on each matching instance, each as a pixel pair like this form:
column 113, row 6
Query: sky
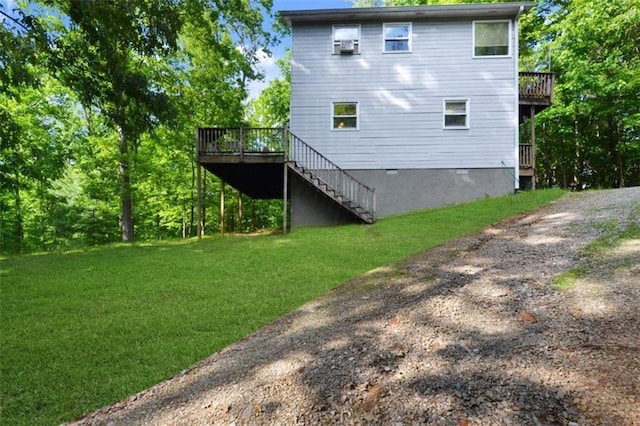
column 268, row 64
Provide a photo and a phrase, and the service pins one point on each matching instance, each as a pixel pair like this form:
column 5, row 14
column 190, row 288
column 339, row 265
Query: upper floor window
column 345, row 116
column 456, row 114
column 491, row 38
column 397, row 37
column 346, row 39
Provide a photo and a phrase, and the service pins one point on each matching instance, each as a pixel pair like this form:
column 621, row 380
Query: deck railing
column 536, row 85
column 328, row 173
column 526, row 156
column 240, row 141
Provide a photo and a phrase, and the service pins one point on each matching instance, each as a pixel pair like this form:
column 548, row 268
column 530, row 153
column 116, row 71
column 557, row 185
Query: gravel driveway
column 533, row 321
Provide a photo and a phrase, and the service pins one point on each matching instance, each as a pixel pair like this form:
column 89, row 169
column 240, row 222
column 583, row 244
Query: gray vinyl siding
column 400, row 99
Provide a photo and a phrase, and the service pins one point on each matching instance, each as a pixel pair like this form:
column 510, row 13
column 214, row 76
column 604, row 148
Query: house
column 392, row 109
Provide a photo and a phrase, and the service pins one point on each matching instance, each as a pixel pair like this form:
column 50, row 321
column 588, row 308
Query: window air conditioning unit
column 347, row 46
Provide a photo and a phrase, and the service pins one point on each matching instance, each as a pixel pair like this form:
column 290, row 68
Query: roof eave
column 454, row 11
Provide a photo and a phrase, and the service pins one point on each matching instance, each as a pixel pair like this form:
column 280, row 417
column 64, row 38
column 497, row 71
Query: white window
column 491, row 38
column 344, row 116
column 455, row 114
column 346, row 39
column 397, row 38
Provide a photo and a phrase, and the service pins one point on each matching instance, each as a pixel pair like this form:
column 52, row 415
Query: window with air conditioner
column 346, row 39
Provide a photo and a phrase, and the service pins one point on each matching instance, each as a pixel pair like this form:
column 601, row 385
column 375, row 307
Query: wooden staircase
column 333, row 182
column 248, row 160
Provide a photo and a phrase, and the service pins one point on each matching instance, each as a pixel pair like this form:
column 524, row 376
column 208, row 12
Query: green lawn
column 83, row 329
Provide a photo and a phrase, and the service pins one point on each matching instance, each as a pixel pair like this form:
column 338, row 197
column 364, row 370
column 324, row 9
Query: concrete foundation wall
column 309, row 207
column 399, row 191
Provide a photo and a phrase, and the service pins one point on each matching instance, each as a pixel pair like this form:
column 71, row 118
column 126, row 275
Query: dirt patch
column 472, row 332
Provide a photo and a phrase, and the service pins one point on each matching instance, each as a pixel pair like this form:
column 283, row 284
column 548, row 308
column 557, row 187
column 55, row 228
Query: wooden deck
column 536, row 92
column 249, row 159
column 526, row 159
column 535, row 95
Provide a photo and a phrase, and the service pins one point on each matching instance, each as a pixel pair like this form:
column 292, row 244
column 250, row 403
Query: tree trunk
column 203, row 212
column 184, row 219
column 576, row 166
column 616, row 157
column 204, row 204
column 196, row 182
column 18, row 231
column 126, row 219
column 253, row 215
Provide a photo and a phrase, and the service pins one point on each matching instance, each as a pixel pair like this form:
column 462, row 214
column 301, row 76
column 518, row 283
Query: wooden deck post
column 285, row 143
column 199, row 213
column 284, row 200
column 239, row 228
column 241, row 143
column 532, row 112
column 222, row 208
column 204, row 208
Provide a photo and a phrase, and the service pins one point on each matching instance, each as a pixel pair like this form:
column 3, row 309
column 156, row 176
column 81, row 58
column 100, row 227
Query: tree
column 21, row 38
column 115, row 44
column 121, row 48
column 34, row 129
column 596, row 116
column 600, row 82
column 271, row 107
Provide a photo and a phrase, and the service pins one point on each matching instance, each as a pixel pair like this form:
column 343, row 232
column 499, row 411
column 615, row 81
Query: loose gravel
column 474, row 332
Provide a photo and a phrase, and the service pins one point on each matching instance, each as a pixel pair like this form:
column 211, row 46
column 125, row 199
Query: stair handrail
column 304, row 156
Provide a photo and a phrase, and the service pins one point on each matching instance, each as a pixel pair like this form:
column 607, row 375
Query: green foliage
column 34, row 132
column 84, row 329
column 590, row 137
column 21, row 39
column 120, row 151
column 116, row 45
column 271, row 108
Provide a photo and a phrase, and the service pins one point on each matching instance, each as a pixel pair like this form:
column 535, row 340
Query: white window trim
column 384, row 39
column 473, row 40
column 345, row 129
column 358, row 41
column 467, row 113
